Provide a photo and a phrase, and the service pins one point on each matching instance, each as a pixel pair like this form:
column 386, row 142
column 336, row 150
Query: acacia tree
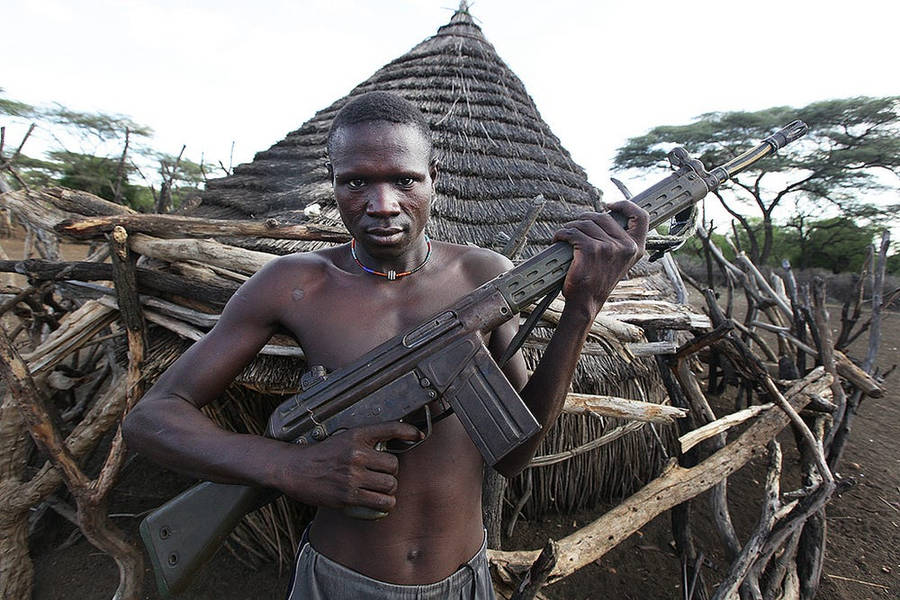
column 99, row 153
column 852, row 150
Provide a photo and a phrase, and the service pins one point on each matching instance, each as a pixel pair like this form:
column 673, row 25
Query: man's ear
column 433, row 170
column 330, row 169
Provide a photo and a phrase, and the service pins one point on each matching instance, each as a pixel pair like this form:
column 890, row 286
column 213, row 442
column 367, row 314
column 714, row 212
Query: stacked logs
column 66, row 388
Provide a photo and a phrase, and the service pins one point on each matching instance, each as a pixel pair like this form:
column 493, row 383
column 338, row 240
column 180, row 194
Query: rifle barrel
column 779, row 139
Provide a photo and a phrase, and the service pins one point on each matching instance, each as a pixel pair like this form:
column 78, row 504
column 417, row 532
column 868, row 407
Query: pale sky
column 208, row 73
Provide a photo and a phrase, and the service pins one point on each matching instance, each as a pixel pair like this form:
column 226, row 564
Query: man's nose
column 382, row 201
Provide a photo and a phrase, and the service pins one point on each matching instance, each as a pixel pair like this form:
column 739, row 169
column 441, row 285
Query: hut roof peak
column 462, row 14
column 496, row 152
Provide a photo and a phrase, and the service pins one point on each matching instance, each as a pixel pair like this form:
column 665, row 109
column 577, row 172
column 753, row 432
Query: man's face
column 383, row 182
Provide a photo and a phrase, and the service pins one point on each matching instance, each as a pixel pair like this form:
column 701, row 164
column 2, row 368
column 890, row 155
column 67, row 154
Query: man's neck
column 401, row 265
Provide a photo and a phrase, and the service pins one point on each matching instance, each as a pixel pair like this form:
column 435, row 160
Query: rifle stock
column 182, row 534
column 443, row 356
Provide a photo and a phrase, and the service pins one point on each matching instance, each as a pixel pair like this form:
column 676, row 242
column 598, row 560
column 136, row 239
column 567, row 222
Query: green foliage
column 851, row 144
column 893, row 264
column 98, row 166
column 95, row 174
column 838, row 244
column 12, row 108
column 102, row 126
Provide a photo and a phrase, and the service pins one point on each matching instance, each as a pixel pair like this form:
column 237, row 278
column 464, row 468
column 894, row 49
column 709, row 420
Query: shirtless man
column 339, row 303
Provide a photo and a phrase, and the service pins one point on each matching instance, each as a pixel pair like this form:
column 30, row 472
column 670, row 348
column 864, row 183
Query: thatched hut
column 495, row 153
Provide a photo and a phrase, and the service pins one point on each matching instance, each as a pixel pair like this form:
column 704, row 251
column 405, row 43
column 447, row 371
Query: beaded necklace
column 390, row 275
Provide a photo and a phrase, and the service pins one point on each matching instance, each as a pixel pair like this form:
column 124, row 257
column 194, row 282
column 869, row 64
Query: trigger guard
column 401, row 446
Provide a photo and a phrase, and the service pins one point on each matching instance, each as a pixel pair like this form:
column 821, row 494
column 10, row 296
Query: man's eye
column 406, row 181
column 355, row 184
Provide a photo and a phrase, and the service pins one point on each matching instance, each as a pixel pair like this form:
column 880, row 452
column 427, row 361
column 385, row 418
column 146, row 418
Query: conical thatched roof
column 495, row 151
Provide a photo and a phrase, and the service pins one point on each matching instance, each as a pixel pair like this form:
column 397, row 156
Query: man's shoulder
column 313, row 262
column 304, row 270
column 476, row 263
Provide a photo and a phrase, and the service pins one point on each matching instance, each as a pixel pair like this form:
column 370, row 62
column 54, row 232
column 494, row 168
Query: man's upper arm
column 249, row 319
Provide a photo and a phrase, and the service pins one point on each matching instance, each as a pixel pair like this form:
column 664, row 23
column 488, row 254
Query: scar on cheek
column 297, row 294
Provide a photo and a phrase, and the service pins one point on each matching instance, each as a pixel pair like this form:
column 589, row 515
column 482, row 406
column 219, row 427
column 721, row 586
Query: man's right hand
column 345, row 470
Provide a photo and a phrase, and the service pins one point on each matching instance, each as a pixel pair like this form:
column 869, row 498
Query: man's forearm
column 174, row 433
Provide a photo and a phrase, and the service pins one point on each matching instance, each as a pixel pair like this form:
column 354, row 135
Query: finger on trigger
column 393, row 430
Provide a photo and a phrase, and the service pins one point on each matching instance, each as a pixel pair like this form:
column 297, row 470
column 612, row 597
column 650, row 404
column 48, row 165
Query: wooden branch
column 703, row 412
column 604, row 326
column 46, row 207
column 31, row 290
column 517, row 241
column 651, row 348
column 608, row 437
column 672, row 487
column 74, row 332
column 674, row 275
column 622, row 408
column 877, row 293
column 826, row 352
column 814, row 447
column 30, row 403
column 741, row 566
column 168, row 226
column 692, row 438
column 133, row 319
column 786, row 334
column 848, row 319
column 16, row 568
column 656, row 313
column 92, row 515
column 164, row 283
column 799, row 323
column 182, row 313
column 537, row 575
column 193, row 334
column 200, row 273
column 213, row 253
column 757, row 338
column 843, row 428
column 707, row 339
column 102, row 415
column 864, row 382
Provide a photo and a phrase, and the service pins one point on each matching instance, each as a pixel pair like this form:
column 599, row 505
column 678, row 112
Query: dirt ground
column 862, row 561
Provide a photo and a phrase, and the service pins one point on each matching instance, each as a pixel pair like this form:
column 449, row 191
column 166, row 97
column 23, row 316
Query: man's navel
column 414, row 555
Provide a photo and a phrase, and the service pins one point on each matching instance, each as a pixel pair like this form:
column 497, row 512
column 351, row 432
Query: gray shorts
column 317, row 577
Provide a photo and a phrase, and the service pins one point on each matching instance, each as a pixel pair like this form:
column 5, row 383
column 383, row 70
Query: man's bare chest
column 337, row 324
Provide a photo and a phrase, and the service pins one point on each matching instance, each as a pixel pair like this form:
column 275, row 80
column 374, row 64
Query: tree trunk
column 16, row 571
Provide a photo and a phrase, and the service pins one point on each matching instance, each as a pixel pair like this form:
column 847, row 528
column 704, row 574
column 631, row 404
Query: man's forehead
column 379, row 135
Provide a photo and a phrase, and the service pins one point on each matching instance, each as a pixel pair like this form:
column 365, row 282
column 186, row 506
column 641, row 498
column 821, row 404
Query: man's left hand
column 604, row 251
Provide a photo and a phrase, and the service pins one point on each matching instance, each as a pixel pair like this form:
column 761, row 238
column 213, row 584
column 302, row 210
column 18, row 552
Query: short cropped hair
column 379, row 106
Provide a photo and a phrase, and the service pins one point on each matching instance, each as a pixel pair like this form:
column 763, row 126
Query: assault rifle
column 442, row 357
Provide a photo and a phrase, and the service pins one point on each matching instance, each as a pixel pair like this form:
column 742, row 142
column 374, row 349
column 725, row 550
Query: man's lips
column 385, row 235
column 384, row 231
